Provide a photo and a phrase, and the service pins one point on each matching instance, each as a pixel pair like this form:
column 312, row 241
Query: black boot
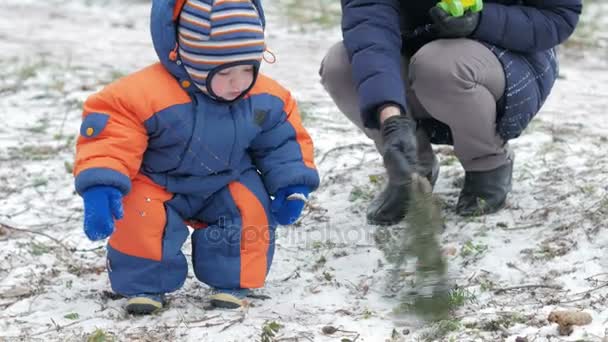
column 389, row 206
column 485, row 192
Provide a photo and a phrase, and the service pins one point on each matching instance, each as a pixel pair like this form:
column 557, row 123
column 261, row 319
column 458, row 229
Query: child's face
column 231, row 82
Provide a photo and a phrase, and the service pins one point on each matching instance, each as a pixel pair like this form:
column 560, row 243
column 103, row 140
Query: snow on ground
column 547, row 250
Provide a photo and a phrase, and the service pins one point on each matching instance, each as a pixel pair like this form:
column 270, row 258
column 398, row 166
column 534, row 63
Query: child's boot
column 229, row 298
column 145, row 304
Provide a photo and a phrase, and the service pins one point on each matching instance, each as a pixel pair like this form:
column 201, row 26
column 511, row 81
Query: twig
column 513, row 266
column 94, row 249
column 6, row 305
column 593, row 289
column 347, row 331
column 530, row 286
column 187, row 323
column 294, row 338
column 260, row 296
column 233, row 322
column 343, row 147
column 583, row 294
column 294, row 274
column 313, row 207
column 596, row 275
column 522, row 227
column 58, row 327
column 347, row 170
column 360, row 245
column 344, row 312
column 206, row 325
column 596, row 204
column 24, row 230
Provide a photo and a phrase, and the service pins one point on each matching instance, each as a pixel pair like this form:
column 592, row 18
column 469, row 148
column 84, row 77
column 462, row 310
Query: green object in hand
column 457, row 8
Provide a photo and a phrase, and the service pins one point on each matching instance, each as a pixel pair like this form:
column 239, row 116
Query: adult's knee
column 335, row 67
column 442, row 64
column 456, row 81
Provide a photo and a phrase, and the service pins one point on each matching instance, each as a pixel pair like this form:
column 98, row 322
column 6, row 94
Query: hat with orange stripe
column 217, row 34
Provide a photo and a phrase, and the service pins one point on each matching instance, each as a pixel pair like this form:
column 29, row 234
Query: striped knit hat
column 216, row 34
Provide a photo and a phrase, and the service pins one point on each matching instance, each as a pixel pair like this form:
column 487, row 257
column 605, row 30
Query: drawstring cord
column 269, row 56
column 173, row 54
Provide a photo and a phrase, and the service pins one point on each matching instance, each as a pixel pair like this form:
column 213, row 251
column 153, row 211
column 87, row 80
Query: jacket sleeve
column 283, row 151
column 536, row 26
column 110, row 147
column 372, row 37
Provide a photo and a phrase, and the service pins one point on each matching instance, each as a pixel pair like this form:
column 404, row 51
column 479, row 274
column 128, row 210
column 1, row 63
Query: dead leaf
column 328, row 330
column 566, row 319
column 449, row 251
column 16, row 292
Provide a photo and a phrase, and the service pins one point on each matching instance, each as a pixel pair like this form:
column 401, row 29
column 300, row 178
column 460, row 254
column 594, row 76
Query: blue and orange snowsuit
column 179, row 156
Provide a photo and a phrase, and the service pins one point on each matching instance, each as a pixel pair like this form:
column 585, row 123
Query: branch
column 59, row 327
column 584, row 295
column 530, row 286
column 233, row 322
column 343, row 147
column 8, row 226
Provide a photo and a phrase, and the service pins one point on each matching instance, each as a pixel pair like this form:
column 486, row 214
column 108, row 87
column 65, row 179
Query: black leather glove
column 447, row 26
column 399, row 148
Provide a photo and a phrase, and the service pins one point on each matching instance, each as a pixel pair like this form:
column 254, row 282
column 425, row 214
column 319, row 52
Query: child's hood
column 163, row 25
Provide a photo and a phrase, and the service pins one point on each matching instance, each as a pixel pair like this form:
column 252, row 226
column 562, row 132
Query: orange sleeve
column 302, row 137
column 113, row 136
column 283, row 151
column 120, row 144
column 266, row 85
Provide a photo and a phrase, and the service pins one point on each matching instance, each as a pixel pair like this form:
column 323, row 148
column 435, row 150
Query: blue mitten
column 286, row 210
column 102, row 204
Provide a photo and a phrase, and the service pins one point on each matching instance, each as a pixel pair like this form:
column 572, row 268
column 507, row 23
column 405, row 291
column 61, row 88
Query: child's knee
column 140, row 232
column 232, row 255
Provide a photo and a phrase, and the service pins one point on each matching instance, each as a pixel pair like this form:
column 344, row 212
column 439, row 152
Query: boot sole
column 142, row 306
column 384, row 223
column 479, row 213
column 226, row 301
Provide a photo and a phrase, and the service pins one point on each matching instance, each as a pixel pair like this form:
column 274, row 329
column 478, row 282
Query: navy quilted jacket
column 522, row 34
